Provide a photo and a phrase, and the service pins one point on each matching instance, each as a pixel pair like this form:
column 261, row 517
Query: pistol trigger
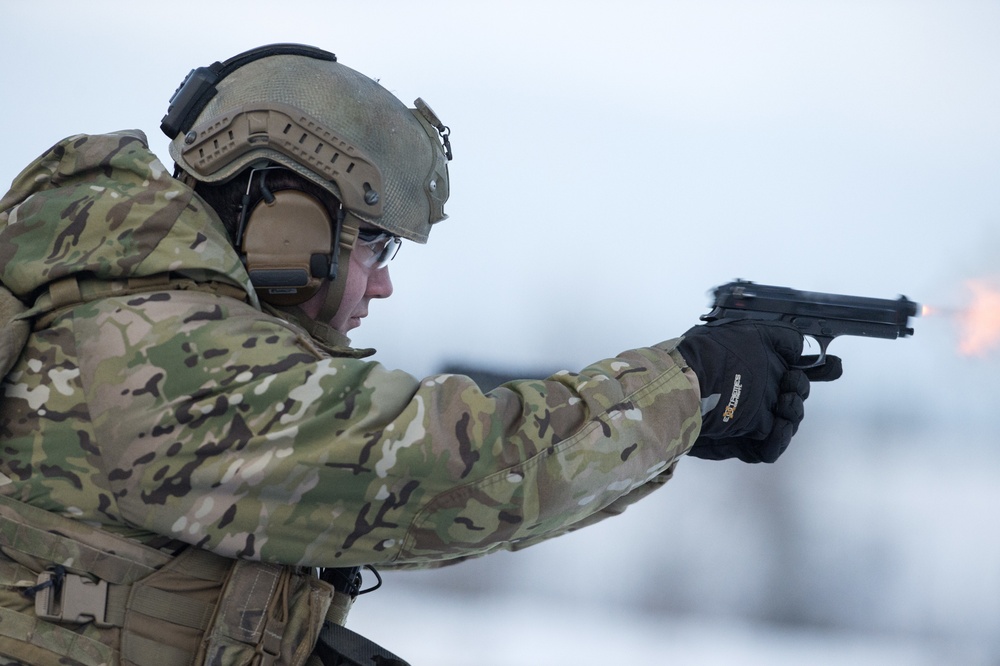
column 823, row 341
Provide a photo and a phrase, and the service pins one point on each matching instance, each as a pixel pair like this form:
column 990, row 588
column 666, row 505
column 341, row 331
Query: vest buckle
column 72, row 599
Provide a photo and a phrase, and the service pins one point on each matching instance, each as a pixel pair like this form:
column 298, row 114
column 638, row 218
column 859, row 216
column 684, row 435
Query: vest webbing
column 242, row 612
column 75, row 545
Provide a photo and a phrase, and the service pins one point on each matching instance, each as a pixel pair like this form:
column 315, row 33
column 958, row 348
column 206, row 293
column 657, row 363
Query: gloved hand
column 752, row 399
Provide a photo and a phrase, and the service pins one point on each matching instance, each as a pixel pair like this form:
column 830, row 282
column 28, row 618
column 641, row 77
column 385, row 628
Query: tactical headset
column 287, row 242
column 277, row 238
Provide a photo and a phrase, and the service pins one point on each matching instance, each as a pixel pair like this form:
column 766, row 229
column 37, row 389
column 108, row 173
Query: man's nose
column 379, row 283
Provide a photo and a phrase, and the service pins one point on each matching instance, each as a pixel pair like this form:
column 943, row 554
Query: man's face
column 365, row 281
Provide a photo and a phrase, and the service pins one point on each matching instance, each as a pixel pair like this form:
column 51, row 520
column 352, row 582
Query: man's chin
column 349, row 324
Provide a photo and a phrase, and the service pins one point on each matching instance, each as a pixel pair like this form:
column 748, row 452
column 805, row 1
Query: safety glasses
column 379, row 247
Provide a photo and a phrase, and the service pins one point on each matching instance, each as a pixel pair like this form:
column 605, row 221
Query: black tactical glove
column 752, row 397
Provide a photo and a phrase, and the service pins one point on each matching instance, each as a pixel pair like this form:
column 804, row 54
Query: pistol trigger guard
column 824, row 342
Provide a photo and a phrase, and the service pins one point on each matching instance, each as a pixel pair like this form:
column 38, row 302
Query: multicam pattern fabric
column 182, row 413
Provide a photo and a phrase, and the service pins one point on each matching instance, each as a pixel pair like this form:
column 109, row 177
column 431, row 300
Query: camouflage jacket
column 156, row 399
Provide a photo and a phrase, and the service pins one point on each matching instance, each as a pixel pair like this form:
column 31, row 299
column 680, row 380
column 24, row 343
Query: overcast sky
column 613, row 160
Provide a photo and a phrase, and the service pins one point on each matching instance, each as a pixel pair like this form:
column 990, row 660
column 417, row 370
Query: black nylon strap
column 339, row 646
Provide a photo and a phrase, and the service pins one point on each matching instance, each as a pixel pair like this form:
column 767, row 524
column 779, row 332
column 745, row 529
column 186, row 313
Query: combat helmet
column 296, row 107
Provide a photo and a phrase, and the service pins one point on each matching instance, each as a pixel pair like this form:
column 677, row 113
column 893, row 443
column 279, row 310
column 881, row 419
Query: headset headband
column 198, row 87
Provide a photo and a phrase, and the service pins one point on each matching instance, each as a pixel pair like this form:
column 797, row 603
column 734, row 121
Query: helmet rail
column 208, row 148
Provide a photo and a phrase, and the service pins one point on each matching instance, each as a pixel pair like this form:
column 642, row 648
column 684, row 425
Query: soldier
column 188, row 434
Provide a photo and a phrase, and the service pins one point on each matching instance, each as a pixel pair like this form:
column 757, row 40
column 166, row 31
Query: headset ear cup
column 287, row 245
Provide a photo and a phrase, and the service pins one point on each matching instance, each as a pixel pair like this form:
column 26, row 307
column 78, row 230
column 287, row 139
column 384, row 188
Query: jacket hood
column 105, row 207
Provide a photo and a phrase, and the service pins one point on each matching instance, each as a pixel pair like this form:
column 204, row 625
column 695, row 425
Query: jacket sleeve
column 242, row 440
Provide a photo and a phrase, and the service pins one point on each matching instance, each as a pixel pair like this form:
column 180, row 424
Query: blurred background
column 614, row 161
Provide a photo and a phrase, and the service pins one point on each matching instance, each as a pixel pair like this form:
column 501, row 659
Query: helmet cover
column 334, row 126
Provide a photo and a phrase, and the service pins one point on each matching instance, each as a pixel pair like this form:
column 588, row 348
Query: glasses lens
column 382, row 249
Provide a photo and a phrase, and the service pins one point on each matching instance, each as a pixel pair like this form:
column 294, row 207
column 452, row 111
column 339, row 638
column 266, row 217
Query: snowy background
column 614, row 161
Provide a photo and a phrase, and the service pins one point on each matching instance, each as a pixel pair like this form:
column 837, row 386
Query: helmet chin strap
column 319, row 327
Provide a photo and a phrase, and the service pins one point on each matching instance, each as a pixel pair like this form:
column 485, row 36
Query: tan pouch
column 267, row 616
column 13, row 331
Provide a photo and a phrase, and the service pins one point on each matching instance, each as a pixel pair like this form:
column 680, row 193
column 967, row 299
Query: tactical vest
column 102, row 600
